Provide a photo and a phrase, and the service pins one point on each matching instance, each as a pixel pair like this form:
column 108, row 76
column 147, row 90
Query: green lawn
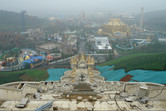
column 25, row 75
column 37, row 74
column 145, row 61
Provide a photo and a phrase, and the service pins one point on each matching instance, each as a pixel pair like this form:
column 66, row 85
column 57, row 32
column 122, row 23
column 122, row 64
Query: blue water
column 116, row 75
column 55, row 74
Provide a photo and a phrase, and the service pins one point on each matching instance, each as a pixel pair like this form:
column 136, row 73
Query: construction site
column 82, row 88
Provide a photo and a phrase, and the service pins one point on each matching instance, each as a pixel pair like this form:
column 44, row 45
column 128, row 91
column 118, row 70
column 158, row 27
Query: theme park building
column 115, row 28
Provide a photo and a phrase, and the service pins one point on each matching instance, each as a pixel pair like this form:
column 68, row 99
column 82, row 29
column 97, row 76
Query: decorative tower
column 23, row 20
column 141, row 19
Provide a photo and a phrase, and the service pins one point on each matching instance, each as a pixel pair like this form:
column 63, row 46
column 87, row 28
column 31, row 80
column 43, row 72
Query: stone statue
column 82, row 77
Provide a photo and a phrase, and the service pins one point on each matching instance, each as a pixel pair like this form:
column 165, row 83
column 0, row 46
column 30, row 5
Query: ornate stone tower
column 82, row 61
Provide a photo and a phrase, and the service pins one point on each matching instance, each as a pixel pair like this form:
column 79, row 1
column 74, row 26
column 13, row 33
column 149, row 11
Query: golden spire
column 82, row 57
column 90, row 72
column 89, row 59
column 92, row 60
column 79, row 57
column 73, row 72
column 75, row 59
column 85, row 57
column 71, row 60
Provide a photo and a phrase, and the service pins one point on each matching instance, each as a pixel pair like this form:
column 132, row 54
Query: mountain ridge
column 13, row 21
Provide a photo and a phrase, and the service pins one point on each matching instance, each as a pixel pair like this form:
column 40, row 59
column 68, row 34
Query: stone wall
column 7, row 93
column 10, row 94
column 29, row 89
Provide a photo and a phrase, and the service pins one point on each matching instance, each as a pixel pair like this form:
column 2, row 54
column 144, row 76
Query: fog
column 45, row 7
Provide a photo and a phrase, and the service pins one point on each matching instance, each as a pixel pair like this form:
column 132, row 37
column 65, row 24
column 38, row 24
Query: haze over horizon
column 49, row 7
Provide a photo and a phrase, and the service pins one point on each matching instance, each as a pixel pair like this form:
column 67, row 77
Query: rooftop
column 102, row 43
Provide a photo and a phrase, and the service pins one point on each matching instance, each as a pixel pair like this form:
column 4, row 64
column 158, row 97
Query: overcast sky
column 38, row 7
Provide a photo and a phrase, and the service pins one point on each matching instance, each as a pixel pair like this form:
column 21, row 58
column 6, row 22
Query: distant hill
column 145, row 61
column 155, row 20
column 12, row 21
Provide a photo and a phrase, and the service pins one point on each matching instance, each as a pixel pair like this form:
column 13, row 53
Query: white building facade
column 102, row 44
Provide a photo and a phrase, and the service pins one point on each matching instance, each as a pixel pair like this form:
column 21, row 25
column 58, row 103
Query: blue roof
column 32, row 59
